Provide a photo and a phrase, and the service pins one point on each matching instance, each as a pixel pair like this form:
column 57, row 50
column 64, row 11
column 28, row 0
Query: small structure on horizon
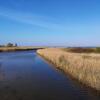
column 11, row 45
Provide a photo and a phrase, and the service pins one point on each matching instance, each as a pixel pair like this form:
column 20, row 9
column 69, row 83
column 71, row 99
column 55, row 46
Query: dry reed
column 82, row 66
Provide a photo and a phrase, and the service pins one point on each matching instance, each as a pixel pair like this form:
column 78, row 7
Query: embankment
column 82, row 66
column 6, row 49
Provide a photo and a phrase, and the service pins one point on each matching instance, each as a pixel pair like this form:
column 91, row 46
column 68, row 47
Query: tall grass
column 83, row 50
column 83, row 66
column 19, row 48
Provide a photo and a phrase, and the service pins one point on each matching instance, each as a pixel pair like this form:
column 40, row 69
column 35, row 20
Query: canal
column 24, row 75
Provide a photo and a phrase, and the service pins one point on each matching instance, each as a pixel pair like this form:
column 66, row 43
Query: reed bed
column 3, row 49
column 83, row 66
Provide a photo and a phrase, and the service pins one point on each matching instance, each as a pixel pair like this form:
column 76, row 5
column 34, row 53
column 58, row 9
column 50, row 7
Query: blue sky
column 50, row 22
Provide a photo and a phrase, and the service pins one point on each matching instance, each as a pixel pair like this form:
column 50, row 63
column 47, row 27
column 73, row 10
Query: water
column 26, row 76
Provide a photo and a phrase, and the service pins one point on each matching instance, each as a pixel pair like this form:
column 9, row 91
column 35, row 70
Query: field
column 83, row 50
column 83, row 65
column 3, row 49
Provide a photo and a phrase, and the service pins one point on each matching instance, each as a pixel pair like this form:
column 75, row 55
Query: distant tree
column 1, row 45
column 9, row 45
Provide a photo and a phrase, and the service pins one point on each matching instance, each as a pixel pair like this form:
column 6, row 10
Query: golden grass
column 19, row 48
column 82, row 66
column 83, row 50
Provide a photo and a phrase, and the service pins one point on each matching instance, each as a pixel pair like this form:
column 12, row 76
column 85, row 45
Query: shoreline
column 75, row 80
column 66, row 71
column 11, row 49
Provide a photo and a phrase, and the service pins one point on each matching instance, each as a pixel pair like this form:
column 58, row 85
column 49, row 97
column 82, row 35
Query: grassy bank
column 83, row 66
column 4, row 49
column 83, row 50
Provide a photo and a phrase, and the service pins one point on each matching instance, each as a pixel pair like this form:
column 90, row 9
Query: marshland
column 82, row 63
column 49, row 49
column 27, row 75
column 19, row 48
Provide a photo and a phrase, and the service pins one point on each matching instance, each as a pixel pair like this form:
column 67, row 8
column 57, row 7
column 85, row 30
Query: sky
column 50, row 22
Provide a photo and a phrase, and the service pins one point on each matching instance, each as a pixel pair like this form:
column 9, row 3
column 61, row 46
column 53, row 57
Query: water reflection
column 2, row 75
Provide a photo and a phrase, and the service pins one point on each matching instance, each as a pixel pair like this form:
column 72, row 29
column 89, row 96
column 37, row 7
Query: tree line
column 9, row 45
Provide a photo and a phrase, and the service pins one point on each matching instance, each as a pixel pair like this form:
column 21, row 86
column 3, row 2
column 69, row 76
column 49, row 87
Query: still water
column 26, row 76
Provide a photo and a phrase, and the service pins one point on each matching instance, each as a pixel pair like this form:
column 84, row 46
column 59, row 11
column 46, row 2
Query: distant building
column 9, row 45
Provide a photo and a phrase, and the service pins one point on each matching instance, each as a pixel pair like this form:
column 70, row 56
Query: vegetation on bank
column 83, row 50
column 19, row 48
column 83, row 66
